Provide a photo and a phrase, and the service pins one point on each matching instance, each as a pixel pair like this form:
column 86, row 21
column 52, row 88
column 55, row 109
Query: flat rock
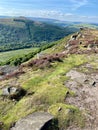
column 76, row 76
column 35, row 121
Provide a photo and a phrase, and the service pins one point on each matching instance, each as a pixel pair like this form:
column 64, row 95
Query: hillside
column 75, row 26
column 61, row 80
column 16, row 33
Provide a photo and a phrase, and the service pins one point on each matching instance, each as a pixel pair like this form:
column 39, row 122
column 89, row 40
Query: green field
column 5, row 56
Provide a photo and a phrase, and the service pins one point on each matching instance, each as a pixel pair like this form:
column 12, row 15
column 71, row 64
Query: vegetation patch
column 67, row 115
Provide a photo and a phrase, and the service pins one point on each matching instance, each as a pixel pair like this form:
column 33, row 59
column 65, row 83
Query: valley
column 20, row 32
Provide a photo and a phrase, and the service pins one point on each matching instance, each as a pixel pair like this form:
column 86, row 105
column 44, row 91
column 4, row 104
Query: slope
column 60, row 80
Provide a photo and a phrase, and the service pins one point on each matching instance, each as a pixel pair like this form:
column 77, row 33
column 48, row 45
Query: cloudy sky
column 67, row 10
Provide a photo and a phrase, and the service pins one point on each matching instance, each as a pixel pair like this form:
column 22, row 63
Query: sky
column 66, row 10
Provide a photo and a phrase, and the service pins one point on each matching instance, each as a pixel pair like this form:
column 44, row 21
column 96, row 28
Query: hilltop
column 17, row 33
column 60, row 80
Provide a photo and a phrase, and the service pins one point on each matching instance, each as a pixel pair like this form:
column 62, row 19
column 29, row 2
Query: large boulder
column 13, row 92
column 35, row 121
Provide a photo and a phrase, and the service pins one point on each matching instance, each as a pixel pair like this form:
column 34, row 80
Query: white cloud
column 48, row 14
column 69, row 14
column 78, row 3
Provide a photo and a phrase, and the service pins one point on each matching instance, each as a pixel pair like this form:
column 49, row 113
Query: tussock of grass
column 33, row 83
column 66, row 115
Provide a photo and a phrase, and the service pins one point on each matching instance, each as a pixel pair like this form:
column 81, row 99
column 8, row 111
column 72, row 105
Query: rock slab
column 35, row 121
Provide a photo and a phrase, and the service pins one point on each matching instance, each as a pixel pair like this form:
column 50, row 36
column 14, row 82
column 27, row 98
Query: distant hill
column 21, row 32
column 51, row 21
column 64, row 23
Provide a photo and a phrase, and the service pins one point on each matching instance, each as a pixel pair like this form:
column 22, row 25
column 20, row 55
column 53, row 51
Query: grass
column 47, row 87
column 5, row 56
column 15, row 112
column 66, row 115
column 59, row 46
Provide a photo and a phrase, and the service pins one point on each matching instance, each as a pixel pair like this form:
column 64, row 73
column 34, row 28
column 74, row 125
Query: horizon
column 72, row 10
column 33, row 18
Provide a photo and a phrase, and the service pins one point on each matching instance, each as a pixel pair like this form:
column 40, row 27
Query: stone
column 8, row 69
column 76, row 76
column 35, row 121
column 13, row 92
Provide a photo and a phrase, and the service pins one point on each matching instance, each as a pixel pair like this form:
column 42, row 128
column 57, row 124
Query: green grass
column 67, row 115
column 59, row 46
column 48, row 89
column 5, row 56
column 14, row 112
column 45, row 88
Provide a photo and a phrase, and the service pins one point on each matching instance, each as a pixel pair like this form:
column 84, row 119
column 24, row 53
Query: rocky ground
column 85, row 86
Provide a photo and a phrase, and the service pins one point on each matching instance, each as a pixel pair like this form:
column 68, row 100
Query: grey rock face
column 35, row 121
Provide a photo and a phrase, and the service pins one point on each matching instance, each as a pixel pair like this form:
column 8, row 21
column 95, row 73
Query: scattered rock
column 13, row 92
column 35, row 121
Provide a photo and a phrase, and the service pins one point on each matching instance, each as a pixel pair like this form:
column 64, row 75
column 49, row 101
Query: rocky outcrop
column 83, row 42
column 35, row 121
